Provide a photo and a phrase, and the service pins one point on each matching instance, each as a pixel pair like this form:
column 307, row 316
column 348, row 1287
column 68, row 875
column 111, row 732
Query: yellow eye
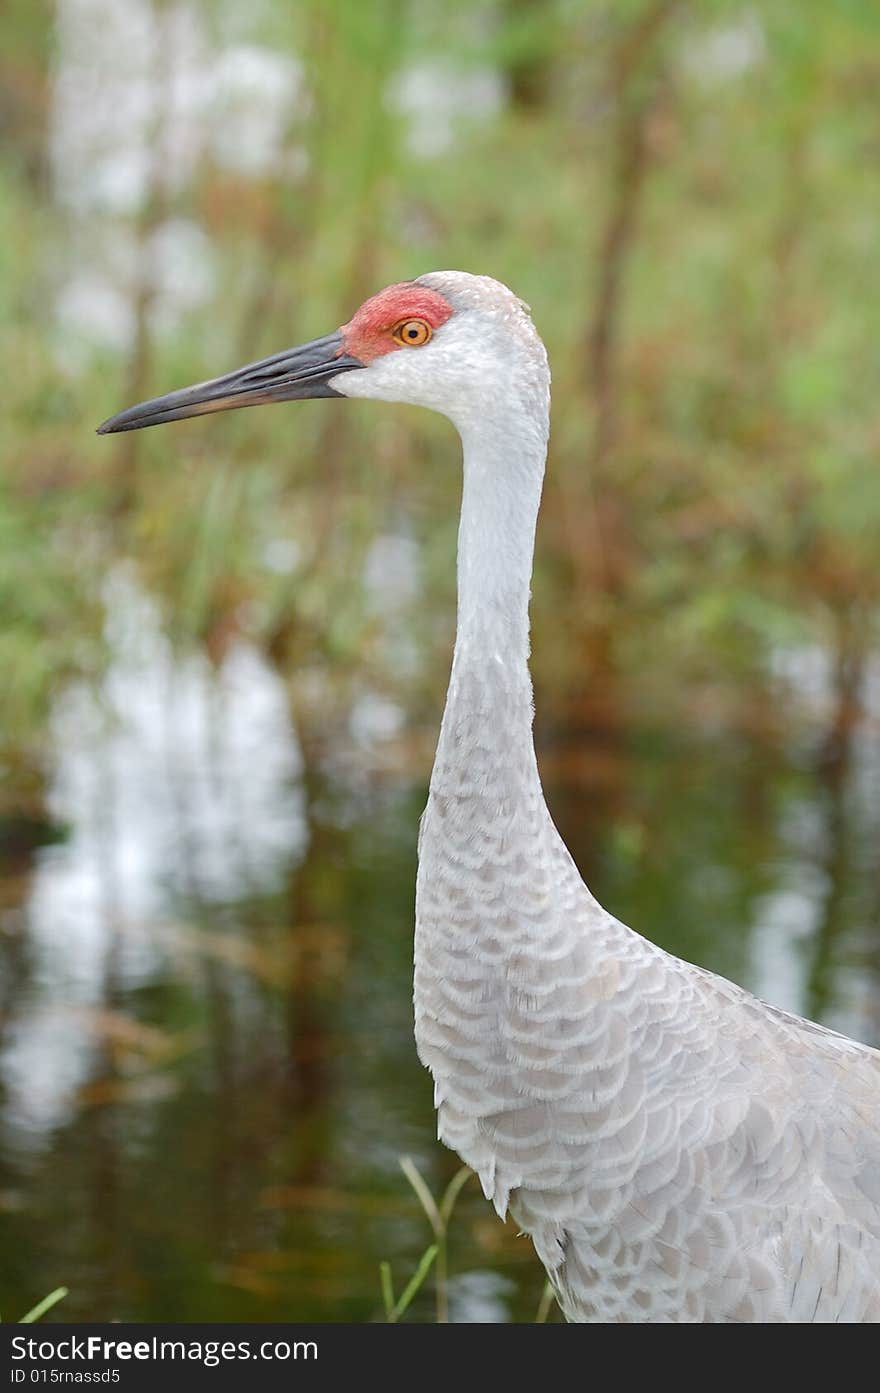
column 412, row 333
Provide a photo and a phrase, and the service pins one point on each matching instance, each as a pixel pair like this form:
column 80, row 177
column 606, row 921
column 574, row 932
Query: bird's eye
column 412, row 333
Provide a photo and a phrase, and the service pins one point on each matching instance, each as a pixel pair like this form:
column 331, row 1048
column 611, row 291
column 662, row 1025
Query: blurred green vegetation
column 686, row 194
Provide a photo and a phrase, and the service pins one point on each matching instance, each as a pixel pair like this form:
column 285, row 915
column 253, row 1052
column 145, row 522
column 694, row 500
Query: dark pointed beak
column 290, row 376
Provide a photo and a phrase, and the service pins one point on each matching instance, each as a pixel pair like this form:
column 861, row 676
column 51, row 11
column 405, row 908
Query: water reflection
column 176, row 786
column 207, row 1052
column 205, row 1024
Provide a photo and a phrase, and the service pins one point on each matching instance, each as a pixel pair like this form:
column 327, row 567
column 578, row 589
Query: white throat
column 489, row 702
column 501, row 493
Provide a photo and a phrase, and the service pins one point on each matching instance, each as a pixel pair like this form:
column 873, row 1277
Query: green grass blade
column 43, row 1306
column 415, row 1281
column 453, row 1190
column 387, row 1290
column 425, row 1198
column 545, row 1305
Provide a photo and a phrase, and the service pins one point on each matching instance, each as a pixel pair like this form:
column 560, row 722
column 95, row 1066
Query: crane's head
column 449, row 341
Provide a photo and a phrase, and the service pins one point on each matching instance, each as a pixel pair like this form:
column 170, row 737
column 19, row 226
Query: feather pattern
column 676, row 1149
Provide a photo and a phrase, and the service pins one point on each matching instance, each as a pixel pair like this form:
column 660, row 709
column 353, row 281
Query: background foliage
column 687, row 195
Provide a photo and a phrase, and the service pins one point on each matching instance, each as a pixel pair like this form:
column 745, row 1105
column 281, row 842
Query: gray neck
column 488, row 712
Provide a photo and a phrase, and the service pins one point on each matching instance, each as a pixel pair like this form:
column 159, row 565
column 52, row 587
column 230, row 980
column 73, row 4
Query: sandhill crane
column 677, row 1149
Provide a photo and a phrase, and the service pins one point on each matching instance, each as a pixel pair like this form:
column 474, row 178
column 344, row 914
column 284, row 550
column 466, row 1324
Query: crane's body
column 677, row 1149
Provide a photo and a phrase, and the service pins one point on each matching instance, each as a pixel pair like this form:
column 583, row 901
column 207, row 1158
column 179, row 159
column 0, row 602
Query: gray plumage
column 677, row 1149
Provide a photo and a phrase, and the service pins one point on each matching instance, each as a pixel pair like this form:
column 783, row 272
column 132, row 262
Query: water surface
column 206, row 1051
